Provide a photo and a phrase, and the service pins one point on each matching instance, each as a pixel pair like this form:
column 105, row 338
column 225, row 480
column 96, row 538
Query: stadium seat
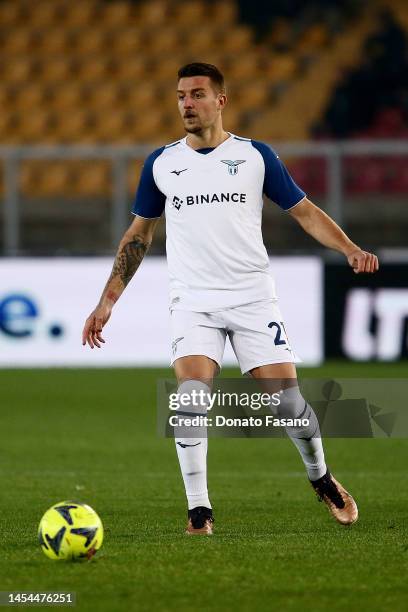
column 52, row 43
column 74, row 126
column 310, row 173
column 312, row 40
column 90, row 42
column 364, row 175
column 69, row 178
column 142, row 128
column 116, row 14
column 93, row 69
column 163, row 46
column 245, row 67
column 397, row 175
column 170, row 132
column 224, row 13
column 167, row 94
column 18, row 69
column 165, row 69
column 281, row 67
column 199, row 41
column 141, row 95
column 388, row 123
column 193, row 12
column 104, row 96
column 126, row 44
column 10, row 13
column 237, row 40
column 19, row 43
column 281, row 35
column 153, row 14
column 43, row 15
column 251, row 95
column 129, row 70
column 80, row 15
column 264, row 125
column 29, row 97
column 56, row 69
column 42, row 179
column 6, row 99
column 109, row 127
column 233, row 119
column 66, row 96
column 9, row 128
column 35, row 126
column 92, row 178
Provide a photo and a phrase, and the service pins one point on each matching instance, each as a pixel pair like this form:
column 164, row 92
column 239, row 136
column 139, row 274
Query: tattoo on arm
column 127, row 261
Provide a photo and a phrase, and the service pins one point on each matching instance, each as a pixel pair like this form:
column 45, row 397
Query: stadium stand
column 96, row 72
column 369, row 101
column 74, row 64
column 62, row 53
column 357, row 102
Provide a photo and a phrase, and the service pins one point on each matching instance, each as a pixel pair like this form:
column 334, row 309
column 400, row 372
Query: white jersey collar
column 216, row 149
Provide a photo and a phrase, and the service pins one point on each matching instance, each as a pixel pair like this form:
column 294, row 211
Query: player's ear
column 222, row 100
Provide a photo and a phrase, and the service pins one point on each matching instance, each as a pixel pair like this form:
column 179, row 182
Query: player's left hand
column 362, row 261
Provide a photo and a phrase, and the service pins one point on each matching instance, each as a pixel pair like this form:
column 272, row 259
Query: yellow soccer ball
column 70, row 530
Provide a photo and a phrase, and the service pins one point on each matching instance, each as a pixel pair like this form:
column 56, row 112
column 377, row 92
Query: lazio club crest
column 233, row 165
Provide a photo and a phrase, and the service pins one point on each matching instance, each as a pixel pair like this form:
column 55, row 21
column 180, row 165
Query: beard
column 194, row 126
column 193, row 130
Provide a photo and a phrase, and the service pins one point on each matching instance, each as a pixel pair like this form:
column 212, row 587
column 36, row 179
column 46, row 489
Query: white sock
column 192, row 444
column 306, row 439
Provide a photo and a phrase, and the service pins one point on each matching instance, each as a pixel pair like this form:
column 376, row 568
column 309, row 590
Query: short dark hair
column 203, row 69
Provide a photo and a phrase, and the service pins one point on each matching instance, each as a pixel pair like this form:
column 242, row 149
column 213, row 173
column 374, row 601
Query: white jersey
column 213, row 201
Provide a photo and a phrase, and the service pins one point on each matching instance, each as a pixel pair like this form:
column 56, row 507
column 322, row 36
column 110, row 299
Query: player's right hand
column 94, row 325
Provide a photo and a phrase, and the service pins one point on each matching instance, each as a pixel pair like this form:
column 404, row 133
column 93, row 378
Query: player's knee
column 196, row 367
column 292, row 404
column 193, row 397
column 192, row 402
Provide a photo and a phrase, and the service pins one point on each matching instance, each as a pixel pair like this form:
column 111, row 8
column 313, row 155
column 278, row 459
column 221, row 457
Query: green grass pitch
column 91, row 435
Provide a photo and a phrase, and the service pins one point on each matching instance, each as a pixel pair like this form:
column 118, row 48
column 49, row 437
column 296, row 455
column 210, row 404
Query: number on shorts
column 278, row 341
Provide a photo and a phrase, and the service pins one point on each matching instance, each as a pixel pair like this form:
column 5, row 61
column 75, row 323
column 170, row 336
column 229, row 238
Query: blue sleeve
column 149, row 201
column 278, row 186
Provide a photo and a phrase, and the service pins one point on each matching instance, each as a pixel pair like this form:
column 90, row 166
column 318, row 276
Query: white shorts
column 256, row 332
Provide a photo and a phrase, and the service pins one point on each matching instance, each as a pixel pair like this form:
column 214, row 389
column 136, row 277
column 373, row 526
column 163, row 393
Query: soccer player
column 210, row 185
